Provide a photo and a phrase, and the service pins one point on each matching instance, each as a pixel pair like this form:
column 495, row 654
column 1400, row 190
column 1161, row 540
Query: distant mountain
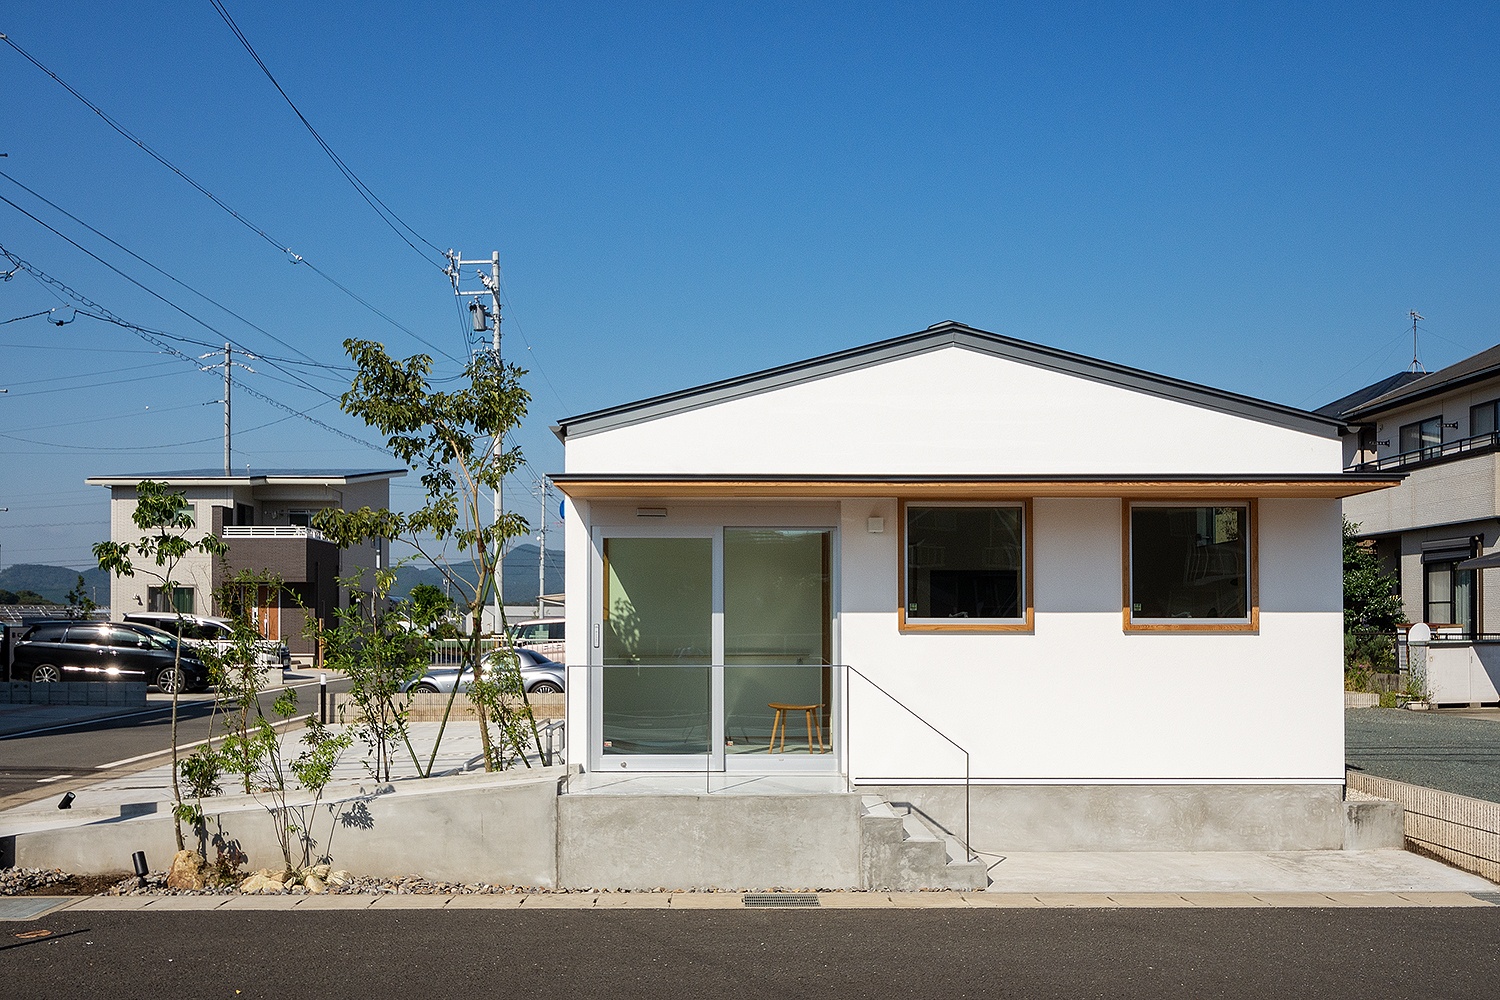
column 520, row 575
column 54, row 582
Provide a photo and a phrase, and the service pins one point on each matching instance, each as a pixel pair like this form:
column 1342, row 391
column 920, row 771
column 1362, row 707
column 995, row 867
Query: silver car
column 539, row 675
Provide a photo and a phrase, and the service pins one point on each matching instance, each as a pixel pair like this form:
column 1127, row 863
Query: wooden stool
column 779, row 722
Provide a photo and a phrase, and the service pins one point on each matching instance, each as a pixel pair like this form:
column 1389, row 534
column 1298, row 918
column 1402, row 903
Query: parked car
column 106, row 651
column 203, row 632
column 545, row 635
column 539, row 675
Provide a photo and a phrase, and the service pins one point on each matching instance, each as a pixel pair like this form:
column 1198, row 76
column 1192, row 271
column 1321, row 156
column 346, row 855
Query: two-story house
column 265, row 518
column 1442, row 429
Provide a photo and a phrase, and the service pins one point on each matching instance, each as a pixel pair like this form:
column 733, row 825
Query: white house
column 1075, row 605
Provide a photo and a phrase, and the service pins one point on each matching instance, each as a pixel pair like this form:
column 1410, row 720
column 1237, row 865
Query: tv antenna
column 1416, row 362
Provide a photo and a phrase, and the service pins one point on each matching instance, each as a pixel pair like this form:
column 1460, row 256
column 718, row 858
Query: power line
column 281, row 248
column 154, row 337
column 158, row 270
column 149, row 291
column 380, row 208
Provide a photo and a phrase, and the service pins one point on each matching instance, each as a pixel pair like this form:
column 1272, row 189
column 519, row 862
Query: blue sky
column 1250, row 196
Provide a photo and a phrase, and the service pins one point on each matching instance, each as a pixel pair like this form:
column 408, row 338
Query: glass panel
column 777, row 640
column 963, row 562
column 1189, row 562
column 658, row 618
column 1463, row 599
column 1482, row 419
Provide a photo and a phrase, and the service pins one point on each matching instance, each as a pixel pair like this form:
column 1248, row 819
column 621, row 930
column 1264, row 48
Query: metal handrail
column 1432, row 452
column 849, row 765
column 846, row 764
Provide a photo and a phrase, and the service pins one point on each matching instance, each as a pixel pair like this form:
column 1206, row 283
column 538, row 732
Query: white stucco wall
column 953, row 411
column 1079, row 700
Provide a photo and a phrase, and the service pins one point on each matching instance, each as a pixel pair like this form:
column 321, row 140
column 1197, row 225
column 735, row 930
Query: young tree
column 80, row 604
column 379, row 656
column 1372, row 599
column 164, row 518
column 457, row 441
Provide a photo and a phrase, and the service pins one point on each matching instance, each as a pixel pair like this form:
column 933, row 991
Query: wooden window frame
column 1026, row 624
column 1198, row 625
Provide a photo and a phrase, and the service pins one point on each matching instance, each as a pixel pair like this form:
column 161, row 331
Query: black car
column 105, row 651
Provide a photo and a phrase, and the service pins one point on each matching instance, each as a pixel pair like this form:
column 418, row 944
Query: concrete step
column 900, row 851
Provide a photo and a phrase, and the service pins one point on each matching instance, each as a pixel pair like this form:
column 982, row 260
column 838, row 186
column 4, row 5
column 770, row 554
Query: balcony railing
column 274, row 531
column 1477, row 444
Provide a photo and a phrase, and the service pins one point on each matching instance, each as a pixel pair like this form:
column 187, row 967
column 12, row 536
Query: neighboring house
column 1117, row 593
column 1442, row 429
column 265, row 519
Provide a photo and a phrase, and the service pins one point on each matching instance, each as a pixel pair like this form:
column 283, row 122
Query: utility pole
column 541, row 560
column 229, row 365
column 478, row 313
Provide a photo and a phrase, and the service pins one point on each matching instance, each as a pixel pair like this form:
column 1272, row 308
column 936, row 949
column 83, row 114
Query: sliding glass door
column 713, row 650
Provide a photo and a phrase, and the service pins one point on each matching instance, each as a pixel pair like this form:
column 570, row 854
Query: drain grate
column 1488, row 897
column 27, row 907
column 781, row 899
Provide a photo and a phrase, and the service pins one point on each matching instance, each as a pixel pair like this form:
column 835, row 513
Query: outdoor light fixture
column 67, row 801
column 875, row 525
column 139, row 860
column 477, row 313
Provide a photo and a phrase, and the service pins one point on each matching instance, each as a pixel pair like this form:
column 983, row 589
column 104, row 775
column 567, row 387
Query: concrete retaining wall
column 124, row 694
column 1134, row 817
column 1464, row 832
column 498, row 828
column 709, row 841
column 430, row 707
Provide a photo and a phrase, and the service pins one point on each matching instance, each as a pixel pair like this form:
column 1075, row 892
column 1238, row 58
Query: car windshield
column 160, row 639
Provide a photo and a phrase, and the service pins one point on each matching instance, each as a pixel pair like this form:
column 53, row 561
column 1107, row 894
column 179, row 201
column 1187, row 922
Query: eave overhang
column 584, row 486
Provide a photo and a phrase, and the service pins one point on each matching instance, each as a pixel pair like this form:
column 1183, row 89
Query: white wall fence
column 1463, row 831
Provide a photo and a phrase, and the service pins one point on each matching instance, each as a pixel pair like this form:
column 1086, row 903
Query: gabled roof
column 1359, row 397
column 251, row 477
column 936, row 337
column 1477, row 368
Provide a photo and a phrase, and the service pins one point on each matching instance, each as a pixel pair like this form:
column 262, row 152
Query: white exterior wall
column 128, row 594
column 953, row 412
column 1080, row 700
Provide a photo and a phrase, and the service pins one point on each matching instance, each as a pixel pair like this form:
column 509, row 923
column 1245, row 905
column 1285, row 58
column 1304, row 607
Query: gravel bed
column 1439, row 750
column 20, row 881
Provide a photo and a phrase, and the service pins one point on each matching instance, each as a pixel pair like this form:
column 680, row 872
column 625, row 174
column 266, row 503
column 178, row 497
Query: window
column 300, row 518
column 966, row 567
column 1425, row 436
column 1190, row 568
column 1484, row 418
column 181, row 600
column 1449, row 596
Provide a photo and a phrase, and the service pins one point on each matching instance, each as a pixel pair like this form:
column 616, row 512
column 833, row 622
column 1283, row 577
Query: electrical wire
column 149, row 291
column 281, row 248
column 380, row 208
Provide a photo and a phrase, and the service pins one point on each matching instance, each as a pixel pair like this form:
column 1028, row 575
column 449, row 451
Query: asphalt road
column 758, row 955
column 38, row 764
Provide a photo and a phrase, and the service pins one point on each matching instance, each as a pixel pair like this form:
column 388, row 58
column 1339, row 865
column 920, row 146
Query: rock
column 314, row 884
column 260, row 882
column 189, row 871
column 339, row 877
column 319, row 870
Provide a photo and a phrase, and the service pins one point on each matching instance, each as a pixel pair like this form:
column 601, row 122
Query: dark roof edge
column 935, row 337
column 1400, row 397
column 1073, row 477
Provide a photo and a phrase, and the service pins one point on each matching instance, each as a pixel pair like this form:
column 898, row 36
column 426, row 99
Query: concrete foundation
column 1132, row 817
column 117, row 694
column 709, row 841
